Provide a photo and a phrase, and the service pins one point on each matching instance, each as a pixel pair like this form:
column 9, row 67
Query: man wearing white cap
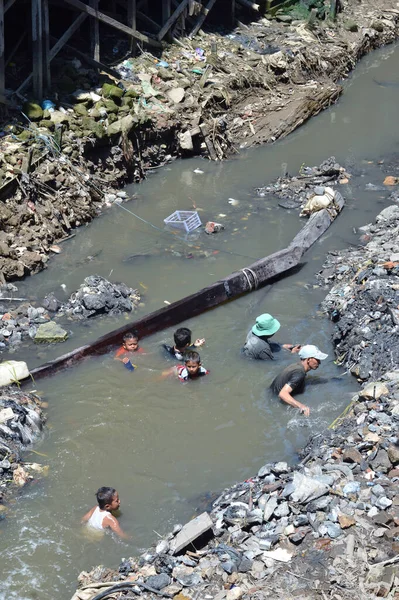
column 292, row 379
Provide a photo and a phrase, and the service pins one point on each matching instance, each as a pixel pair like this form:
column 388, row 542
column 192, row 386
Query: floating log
column 236, row 284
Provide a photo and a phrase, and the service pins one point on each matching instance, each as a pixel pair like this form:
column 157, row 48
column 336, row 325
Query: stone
column 80, row 110
column 381, row 462
column 352, row 455
column 280, row 467
column 374, row 390
column 350, row 25
column 270, row 508
column 185, row 141
column 186, row 576
column 383, row 502
column 162, row 547
column 393, row 454
column 346, row 521
column 378, row 26
column 190, row 532
column 282, row 510
column 176, row 94
column 234, row 594
column 5, row 415
column 59, row 118
column 307, row 488
column 263, row 471
column 124, row 124
column 158, row 581
column 50, row 332
column 111, row 91
column 33, row 111
column 388, row 214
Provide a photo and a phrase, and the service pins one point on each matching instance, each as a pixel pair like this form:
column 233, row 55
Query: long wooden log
column 225, row 289
column 236, row 284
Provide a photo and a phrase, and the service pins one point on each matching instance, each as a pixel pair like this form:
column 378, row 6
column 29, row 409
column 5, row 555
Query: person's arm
column 291, row 348
column 112, row 523
column 285, row 396
column 88, row 515
column 199, row 342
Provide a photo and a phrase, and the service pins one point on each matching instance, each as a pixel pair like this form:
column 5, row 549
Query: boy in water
column 182, row 339
column 130, row 343
column 100, row 517
column 192, row 368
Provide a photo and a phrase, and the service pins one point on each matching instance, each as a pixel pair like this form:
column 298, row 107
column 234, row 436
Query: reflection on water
column 164, row 446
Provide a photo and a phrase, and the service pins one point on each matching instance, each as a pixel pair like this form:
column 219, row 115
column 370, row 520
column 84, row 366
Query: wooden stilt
column 2, row 52
column 202, row 18
column 37, row 48
column 46, row 45
column 172, row 19
column 166, row 12
column 113, row 23
column 132, row 22
column 95, row 33
column 232, row 13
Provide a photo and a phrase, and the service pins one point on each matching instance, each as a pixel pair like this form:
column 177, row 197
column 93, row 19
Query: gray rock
column 263, row 471
column 280, row 467
column 187, row 576
column 383, row 502
column 282, row 510
column 307, row 488
column 381, row 461
column 158, row 581
column 50, row 332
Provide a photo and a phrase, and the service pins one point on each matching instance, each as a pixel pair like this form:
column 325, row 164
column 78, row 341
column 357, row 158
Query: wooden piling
column 2, row 52
column 37, row 48
column 132, row 22
column 166, row 13
column 46, row 45
column 94, row 33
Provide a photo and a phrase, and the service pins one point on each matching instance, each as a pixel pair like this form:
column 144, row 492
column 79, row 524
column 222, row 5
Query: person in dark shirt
column 182, row 339
column 258, row 344
column 292, row 379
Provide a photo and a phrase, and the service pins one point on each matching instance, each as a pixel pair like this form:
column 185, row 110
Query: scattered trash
column 233, row 202
column 212, row 227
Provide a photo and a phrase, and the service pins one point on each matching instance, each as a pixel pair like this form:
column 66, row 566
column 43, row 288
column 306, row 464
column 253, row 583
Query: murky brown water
column 163, row 445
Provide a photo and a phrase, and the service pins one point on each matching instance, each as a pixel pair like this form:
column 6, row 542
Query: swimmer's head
column 192, row 362
column 182, row 337
column 131, row 341
column 108, row 498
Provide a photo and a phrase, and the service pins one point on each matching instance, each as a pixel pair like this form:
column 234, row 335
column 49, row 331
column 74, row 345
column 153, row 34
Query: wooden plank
column 14, row 49
column 113, row 23
column 94, row 33
column 190, row 532
column 172, row 19
column 202, row 18
column 2, row 51
column 37, row 50
column 46, row 45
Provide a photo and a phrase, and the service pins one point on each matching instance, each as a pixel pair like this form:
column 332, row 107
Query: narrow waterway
column 163, row 445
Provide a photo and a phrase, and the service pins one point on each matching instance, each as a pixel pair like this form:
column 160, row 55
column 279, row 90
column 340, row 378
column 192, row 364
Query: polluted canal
column 168, row 447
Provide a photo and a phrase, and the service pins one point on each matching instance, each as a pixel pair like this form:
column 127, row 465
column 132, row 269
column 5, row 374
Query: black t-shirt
column 293, row 375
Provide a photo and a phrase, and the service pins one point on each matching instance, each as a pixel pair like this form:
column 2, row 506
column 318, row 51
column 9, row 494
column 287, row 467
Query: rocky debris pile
column 364, row 298
column 329, row 525
column 19, row 320
column 98, row 296
column 299, row 191
column 21, row 424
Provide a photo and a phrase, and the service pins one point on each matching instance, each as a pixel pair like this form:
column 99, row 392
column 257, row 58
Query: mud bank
column 327, row 527
column 60, row 168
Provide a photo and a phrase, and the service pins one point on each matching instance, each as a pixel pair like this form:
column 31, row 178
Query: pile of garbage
column 364, row 299
column 98, row 296
column 309, row 190
column 21, row 424
column 329, row 524
column 22, row 320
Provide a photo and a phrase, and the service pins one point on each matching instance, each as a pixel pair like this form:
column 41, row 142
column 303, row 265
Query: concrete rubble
column 209, row 96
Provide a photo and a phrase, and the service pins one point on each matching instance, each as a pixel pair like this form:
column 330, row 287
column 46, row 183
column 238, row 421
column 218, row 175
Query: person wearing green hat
column 258, row 345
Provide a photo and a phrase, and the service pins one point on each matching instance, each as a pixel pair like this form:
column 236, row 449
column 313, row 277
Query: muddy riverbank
column 329, row 526
column 215, row 96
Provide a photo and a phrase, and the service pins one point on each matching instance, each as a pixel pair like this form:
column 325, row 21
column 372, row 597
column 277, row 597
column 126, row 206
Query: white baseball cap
column 310, row 351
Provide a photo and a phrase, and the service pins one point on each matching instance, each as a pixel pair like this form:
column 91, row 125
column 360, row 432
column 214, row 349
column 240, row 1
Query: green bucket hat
column 265, row 325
